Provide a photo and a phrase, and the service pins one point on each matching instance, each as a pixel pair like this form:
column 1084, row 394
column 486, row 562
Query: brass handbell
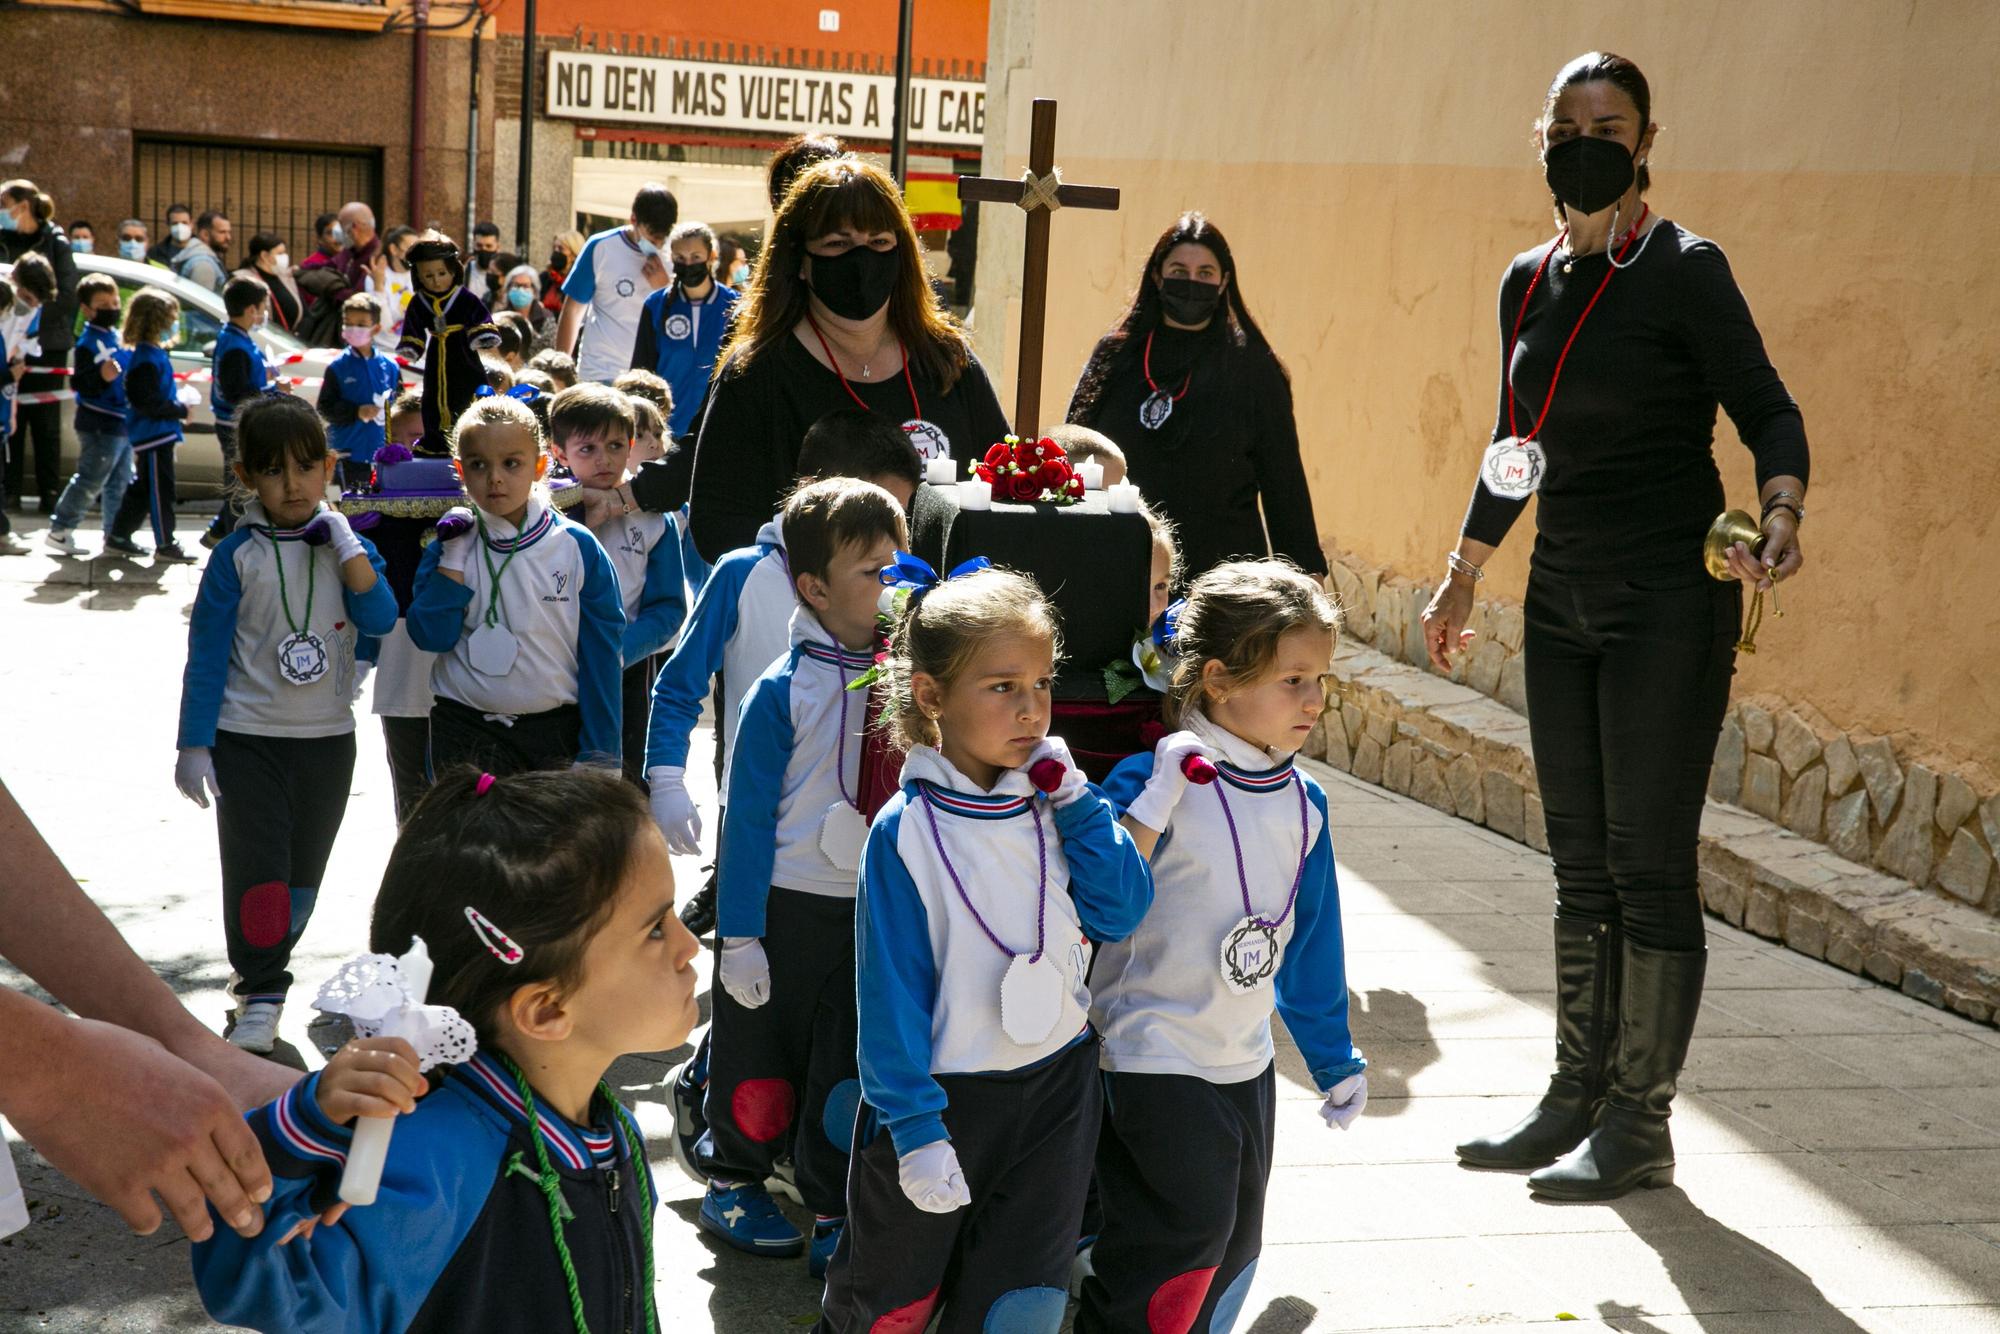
column 1729, row 528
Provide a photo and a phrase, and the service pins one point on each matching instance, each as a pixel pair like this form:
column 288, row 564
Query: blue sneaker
column 747, row 1218
column 826, row 1236
column 687, row 1083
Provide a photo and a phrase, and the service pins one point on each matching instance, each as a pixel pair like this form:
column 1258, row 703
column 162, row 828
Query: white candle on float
column 939, row 472
column 1092, row 473
column 974, row 494
column 1122, row 498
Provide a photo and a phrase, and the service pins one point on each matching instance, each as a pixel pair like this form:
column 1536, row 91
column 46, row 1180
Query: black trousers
column 461, row 734
column 784, row 1075
column 150, row 497
column 1627, row 684
column 41, row 423
column 638, row 690
column 281, row 803
column 408, row 741
column 1182, row 1168
column 1024, row 1139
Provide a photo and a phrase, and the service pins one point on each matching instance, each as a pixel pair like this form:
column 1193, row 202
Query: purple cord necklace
column 840, row 758
column 1041, row 890
column 1243, row 880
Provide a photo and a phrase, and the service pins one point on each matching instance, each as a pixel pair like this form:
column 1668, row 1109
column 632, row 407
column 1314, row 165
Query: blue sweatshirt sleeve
column 375, row 1268
column 895, row 980
column 211, row 636
column 437, row 605
column 1109, row 881
column 683, row 683
column 373, row 612
column 662, row 602
column 1312, row 980
column 1124, row 783
column 748, row 846
column 600, row 666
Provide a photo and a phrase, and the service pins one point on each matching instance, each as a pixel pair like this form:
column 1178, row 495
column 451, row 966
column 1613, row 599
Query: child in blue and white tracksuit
column 1245, row 919
column 355, row 394
column 781, row 1059
column 104, row 458
column 980, row 899
column 154, row 411
column 267, row 722
column 522, row 607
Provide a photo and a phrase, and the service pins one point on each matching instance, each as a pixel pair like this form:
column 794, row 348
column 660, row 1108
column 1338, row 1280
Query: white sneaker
column 256, row 1027
column 11, row 545
column 63, row 540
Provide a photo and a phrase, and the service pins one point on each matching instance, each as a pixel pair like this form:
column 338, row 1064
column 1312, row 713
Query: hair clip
column 497, row 942
column 480, row 789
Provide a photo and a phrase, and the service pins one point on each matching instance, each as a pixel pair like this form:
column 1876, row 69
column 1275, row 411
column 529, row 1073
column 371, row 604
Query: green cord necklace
column 559, row 1210
column 302, row 655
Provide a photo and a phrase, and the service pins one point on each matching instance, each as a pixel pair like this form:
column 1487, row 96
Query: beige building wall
column 1370, row 162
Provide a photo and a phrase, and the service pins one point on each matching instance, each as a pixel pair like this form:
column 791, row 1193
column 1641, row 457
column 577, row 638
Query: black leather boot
column 1587, row 963
column 1631, row 1146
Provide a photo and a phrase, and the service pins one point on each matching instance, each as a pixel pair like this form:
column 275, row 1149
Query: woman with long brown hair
column 1188, row 386
column 838, row 315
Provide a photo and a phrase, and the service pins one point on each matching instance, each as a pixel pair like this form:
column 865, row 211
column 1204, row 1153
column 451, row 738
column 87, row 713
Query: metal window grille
column 259, row 187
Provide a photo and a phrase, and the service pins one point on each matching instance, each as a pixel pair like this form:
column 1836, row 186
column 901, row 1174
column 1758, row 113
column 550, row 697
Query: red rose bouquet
column 1030, row 470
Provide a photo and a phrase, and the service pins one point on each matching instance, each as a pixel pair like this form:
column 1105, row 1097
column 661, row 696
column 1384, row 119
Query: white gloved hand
column 744, row 971
column 362, row 667
column 1154, row 805
column 1073, row 780
column 673, row 809
column 1345, row 1100
column 188, row 396
column 932, row 1178
column 330, row 527
column 454, row 523
column 194, row 775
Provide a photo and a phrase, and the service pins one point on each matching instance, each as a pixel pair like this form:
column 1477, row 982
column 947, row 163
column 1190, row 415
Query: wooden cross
column 1034, row 191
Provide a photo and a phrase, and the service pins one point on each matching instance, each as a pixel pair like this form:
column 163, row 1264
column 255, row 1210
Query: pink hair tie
column 480, row 789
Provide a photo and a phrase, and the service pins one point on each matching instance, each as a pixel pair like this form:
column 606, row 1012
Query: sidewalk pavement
column 1839, row 1143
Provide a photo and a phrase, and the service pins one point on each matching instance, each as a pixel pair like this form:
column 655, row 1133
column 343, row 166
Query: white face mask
column 82, row 245
column 336, row 235
column 281, row 262
column 180, row 231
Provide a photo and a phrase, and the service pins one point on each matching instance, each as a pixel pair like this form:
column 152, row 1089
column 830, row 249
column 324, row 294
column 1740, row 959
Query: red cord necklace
column 1159, row 404
column 930, row 442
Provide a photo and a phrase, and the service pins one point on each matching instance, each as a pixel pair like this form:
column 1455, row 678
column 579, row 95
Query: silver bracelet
column 1458, row 564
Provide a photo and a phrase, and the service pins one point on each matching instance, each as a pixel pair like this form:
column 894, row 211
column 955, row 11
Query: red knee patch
column 909, row 1319
column 763, row 1108
column 1177, row 1302
column 265, row 914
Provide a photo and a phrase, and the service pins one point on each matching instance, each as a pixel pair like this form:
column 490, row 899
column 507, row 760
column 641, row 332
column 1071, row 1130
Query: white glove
column 1345, row 1101
column 456, row 522
column 1072, row 784
column 932, row 1178
column 188, row 396
column 1154, row 805
column 330, row 528
column 361, row 669
column 673, row 809
column 192, row 770
column 745, row 971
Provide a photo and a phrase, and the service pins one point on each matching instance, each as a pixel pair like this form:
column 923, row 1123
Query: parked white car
column 198, row 462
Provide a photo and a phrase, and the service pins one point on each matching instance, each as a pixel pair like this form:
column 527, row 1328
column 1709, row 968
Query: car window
column 199, row 330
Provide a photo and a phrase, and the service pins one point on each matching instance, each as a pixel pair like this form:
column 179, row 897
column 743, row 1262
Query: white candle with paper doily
column 1092, row 473
column 974, row 494
column 941, row 471
column 1122, row 498
column 384, row 996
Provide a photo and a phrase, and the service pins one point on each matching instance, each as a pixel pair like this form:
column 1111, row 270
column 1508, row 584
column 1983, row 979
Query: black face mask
column 1588, row 173
column 857, row 284
column 694, row 275
column 1188, row 301
column 105, row 319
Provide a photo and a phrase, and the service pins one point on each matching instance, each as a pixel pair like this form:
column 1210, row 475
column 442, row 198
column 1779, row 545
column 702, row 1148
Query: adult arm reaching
column 134, row 1096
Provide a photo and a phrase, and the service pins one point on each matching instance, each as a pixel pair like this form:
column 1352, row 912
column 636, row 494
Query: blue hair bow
column 525, row 394
column 1166, row 626
column 915, row 574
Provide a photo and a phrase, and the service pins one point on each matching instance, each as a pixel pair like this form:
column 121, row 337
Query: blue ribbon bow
column 1166, row 626
column 915, row 574
column 526, row 394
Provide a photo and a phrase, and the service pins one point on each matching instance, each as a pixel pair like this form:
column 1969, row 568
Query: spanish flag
column 932, row 198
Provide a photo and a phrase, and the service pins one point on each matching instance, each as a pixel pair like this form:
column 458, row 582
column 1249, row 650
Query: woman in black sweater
column 1202, row 407
column 839, row 315
column 1618, row 341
